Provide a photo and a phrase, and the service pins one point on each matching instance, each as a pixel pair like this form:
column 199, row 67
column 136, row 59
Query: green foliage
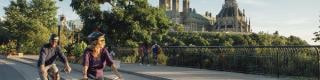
column 291, row 61
column 162, row 58
column 8, row 47
column 230, row 39
column 128, row 23
column 4, row 33
column 293, row 40
column 127, row 55
column 31, row 23
column 44, row 11
column 2, row 49
column 178, row 28
column 78, row 49
column 317, row 34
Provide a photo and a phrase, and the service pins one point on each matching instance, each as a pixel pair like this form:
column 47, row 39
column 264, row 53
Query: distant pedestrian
column 155, row 50
column 145, row 52
column 140, row 51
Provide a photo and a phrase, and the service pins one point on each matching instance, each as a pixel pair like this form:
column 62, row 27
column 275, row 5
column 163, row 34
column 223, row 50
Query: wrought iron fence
column 300, row 61
column 296, row 61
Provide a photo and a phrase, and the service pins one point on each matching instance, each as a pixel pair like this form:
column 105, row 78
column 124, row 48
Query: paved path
column 181, row 73
column 136, row 72
column 78, row 68
column 34, row 70
column 16, row 71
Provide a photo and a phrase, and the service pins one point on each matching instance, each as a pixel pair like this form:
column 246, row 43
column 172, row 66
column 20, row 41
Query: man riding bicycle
column 48, row 55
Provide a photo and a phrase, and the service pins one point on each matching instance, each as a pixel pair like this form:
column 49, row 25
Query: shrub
column 78, row 49
column 162, row 58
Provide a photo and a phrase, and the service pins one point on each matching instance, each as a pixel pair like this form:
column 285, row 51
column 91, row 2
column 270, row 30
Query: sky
column 289, row 17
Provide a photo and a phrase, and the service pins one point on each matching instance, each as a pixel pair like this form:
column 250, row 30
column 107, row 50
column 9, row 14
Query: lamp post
column 62, row 23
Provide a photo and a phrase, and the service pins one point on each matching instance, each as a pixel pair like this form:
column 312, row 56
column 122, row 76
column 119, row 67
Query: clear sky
column 289, row 17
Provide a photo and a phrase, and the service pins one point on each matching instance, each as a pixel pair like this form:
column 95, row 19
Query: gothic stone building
column 229, row 19
column 232, row 19
column 189, row 18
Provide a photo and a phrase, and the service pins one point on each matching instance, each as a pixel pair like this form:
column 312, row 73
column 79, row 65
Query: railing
column 301, row 62
column 296, row 61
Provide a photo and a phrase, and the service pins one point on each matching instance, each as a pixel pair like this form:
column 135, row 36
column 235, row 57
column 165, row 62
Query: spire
column 231, row 3
column 249, row 21
column 166, row 4
column 231, row 0
column 244, row 12
column 175, row 5
column 186, row 6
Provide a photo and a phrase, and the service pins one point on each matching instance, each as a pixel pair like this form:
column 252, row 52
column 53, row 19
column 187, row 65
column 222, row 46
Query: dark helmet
column 54, row 37
column 94, row 36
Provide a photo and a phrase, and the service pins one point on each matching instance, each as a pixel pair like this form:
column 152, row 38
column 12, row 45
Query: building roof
column 230, row 11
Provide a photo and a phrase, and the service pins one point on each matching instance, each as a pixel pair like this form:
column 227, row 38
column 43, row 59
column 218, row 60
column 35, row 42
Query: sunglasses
column 103, row 40
column 54, row 40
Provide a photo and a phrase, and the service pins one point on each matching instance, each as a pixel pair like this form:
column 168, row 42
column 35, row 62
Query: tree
column 4, row 33
column 276, row 33
column 30, row 23
column 293, row 40
column 239, row 40
column 317, row 34
column 178, row 28
column 44, row 11
column 130, row 21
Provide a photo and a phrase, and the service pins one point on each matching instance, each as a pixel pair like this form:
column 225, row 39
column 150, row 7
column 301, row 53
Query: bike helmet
column 94, row 36
column 54, row 37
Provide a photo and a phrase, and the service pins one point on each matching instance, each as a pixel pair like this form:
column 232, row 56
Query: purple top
column 96, row 66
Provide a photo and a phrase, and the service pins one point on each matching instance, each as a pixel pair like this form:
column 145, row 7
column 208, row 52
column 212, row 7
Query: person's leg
column 155, row 59
column 140, row 59
column 145, row 57
column 44, row 76
column 148, row 61
column 55, row 70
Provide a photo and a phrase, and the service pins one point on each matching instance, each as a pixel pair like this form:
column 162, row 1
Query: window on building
column 222, row 27
column 229, row 26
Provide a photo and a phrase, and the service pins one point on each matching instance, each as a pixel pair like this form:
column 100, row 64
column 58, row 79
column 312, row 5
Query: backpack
column 156, row 49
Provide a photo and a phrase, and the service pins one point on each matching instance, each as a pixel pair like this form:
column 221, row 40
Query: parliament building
column 229, row 19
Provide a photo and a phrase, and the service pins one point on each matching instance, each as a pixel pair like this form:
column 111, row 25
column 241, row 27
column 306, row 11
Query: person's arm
column 112, row 65
column 153, row 46
column 84, row 72
column 85, row 65
column 64, row 59
column 115, row 71
column 42, row 60
column 62, row 56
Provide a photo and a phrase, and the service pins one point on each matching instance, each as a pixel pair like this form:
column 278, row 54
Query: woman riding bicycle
column 96, row 57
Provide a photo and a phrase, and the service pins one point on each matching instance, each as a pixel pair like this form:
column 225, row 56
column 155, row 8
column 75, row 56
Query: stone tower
column 175, row 8
column 175, row 5
column 231, row 3
column 165, row 4
column 186, row 6
column 232, row 19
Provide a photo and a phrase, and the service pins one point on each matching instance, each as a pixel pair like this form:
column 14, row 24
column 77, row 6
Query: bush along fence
column 131, row 55
column 297, row 61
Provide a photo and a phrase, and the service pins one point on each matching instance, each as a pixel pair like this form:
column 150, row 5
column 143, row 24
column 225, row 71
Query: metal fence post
column 318, row 61
column 278, row 65
column 263, row 62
